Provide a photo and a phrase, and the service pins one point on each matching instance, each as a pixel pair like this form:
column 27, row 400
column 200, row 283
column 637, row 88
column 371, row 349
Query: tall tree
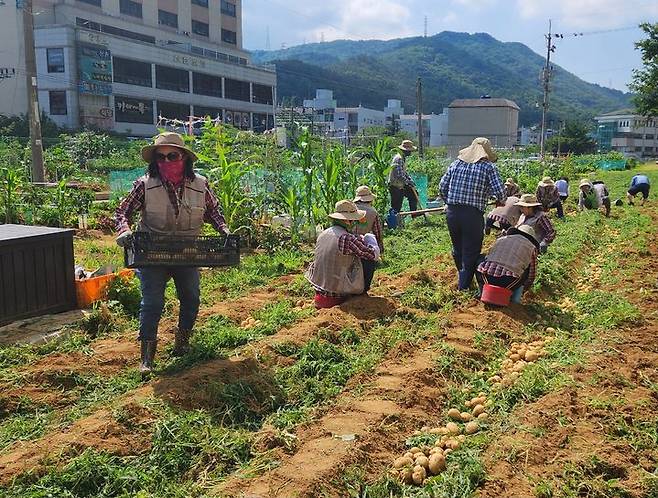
column 573, row 139
column 645, row 80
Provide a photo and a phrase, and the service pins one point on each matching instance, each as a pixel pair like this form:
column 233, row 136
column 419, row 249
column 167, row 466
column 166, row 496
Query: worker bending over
column 594, row 195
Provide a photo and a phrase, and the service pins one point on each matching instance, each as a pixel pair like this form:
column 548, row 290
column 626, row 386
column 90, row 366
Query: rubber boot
column 517, row 295
column 148, row 356
column 181, row 342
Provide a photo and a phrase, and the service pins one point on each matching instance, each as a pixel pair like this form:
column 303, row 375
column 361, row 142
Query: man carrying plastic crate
column 172, row 200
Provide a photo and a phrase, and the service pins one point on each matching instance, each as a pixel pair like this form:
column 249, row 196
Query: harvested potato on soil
column 437, row 464
column 453, row 428
column 423, row 461
column 454, row 414
column 483, row 417
column 465, row 417
column 472, row 428
column 402, row 462
column 478, row 409
column 419, row 475
column 406, row 475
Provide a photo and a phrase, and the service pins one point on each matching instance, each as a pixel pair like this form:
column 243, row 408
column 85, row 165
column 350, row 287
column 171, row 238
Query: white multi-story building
column 629, row 133
column 122, row 64
column 356, row 119
column 435, row 128
column 392, row 113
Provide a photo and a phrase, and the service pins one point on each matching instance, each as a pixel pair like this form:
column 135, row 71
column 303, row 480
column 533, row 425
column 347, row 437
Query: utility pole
column 419, row 109
column 34, row 115
column 546, row 80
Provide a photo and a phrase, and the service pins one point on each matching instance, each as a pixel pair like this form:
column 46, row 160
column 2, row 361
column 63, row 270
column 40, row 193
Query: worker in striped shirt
column 466, row 188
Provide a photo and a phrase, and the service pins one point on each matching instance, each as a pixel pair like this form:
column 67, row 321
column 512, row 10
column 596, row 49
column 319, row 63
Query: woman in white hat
column 371, row 230
column 512, row 260
column 593, row 195
column 511, row 188
column 549, row 196
column 533, row 215
column 337, row 271
column 466, row 187
column 172, row 200
column 400, row 184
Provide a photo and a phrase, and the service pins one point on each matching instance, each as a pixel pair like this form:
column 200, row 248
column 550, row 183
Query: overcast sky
column 606, row 58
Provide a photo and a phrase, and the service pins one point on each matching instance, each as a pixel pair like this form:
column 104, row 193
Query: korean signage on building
column 95, row 69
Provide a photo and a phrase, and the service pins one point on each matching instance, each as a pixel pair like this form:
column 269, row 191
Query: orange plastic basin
column 90, row 290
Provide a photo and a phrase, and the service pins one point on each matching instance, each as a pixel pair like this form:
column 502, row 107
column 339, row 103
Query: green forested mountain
column 452, row 65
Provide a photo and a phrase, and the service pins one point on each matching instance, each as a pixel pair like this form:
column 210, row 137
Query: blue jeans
column 466, row 227
column 558, row 205
column 154, row 280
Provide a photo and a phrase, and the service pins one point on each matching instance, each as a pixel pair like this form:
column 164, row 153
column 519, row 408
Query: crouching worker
column 533, row 215
column 337, row 272
column 172, row 200
column 594, row 195
column 639, row 185
column 511, row 264
column 503, row 217
column 371, row 228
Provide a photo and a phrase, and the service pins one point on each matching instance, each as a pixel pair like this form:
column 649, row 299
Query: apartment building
column 123, row 65
column 435, row 128
column 629, row 133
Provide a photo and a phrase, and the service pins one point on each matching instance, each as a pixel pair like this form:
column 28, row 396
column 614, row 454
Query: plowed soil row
column 584, row 433
column 369, row 422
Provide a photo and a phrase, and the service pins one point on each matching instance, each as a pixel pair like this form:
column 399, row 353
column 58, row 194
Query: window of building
column 104, row 28
column 229, row 36
column 211, row 112
column 201, row 3
column 172, row 110
column 236, row 90
column 260, row 122
column 205, row 84
column 648, row 149
column 262, row 94
column 228, row 8
column 130, row 8
column 127, row 110
column 55, row 57
column 649, row 137
column 57, row 103
column 238, row 119
column 167, row 18
column 132, row 72
column 170, row 78
column 200, row 28
column 95, row 3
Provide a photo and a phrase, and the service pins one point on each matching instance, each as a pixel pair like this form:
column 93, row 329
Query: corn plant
column 290, row 199
column 379, row 166
column 330, row 176
column 10, row 182
column 306, row 161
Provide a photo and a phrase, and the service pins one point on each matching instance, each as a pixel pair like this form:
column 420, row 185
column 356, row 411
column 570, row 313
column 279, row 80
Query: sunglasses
column 172, row 156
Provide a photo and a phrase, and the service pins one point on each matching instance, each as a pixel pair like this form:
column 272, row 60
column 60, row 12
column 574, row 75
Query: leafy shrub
column 126, row 291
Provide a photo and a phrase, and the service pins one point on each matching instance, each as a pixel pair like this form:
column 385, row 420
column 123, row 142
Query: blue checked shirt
column 471, row 184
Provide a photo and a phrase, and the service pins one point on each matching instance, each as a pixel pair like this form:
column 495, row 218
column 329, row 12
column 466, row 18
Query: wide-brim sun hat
column 509, row 181
column 407, row 146
column 169, row 139
column 527, row 229
column 479, row 149
column 347, row 210
column 528, row 200
column 547, row 181
column 363, row 194
column 585, row 182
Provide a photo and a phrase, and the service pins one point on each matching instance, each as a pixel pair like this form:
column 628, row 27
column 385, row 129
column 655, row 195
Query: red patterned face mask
column 172, row 171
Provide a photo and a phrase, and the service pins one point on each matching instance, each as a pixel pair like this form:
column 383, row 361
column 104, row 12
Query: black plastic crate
column 149, row 249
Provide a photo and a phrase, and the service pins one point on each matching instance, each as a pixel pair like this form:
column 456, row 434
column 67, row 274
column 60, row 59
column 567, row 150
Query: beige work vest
column 513, row 252
column 371, row 218
column 333, row 271
column 159, row 216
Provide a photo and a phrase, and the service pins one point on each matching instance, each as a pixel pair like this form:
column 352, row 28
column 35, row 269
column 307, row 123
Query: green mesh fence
column 121, row 182
column 612, row 165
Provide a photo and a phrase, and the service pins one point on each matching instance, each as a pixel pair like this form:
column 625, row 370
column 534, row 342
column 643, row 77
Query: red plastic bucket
column 498, row 296
column 322, row 301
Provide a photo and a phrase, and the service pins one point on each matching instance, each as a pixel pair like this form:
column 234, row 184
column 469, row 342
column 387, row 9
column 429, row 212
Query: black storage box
column 36, row 271
column 148, row 249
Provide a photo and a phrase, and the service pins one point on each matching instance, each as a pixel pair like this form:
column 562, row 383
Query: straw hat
column 479, row 149
column 585, row 182
column 407, row 145
column 347, row 210
column 528, row 200
column 527, row 229
column 170, row 139
column 547, row 181
column 509, row 181
column 364, row 194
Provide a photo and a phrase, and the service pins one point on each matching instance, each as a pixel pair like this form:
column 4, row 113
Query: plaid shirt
column 349, row 243
column 134, row 201
column 400, row 171
column 547, row 195
column 495, row 270
column 471, row 184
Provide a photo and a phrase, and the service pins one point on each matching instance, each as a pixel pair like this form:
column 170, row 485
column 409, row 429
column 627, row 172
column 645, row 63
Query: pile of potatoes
column 519, row 356
column 419, row 463
column 250, row 322
column 582, row 287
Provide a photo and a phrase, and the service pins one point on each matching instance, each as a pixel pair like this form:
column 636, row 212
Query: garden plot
column 278, row 399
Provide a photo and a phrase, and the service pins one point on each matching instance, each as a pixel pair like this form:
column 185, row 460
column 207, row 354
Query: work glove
column 122, row 239
column 543, row 247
